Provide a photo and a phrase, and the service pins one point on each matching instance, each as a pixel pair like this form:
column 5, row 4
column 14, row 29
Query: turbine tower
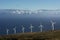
column 31, row 27
column 23, row 29
column 14, row 30
column 41, row 27
column 53, row 23
column 7, row 31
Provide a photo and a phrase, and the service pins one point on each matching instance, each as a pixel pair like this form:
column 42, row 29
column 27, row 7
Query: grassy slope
column 49, row 34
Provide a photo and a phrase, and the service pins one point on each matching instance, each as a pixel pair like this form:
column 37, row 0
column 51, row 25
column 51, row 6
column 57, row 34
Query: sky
column 30, row 4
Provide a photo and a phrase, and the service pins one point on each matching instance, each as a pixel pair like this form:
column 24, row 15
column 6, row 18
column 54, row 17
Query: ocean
column 11, row 21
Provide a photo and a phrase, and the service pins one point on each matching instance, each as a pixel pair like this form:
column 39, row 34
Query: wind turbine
column 14, row 30
column 7, row 31
column 41, row 27
column 23, row 29
column 53, row 23
column 31, row 27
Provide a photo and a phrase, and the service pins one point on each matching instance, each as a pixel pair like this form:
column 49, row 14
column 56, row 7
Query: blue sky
column 30, row 4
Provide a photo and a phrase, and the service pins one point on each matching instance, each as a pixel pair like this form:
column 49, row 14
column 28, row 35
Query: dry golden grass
column 35, row 35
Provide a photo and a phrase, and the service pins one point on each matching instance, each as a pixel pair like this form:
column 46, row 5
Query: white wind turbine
column 31, row 27
column 14, row 30
column 53, row 23
column 41, row 27
column 23, row 29
column 7, row 31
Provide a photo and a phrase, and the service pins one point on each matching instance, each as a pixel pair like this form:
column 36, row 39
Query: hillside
column 50, row 35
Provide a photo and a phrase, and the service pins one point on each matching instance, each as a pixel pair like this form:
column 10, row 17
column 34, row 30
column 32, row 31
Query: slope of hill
column 50, row 35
